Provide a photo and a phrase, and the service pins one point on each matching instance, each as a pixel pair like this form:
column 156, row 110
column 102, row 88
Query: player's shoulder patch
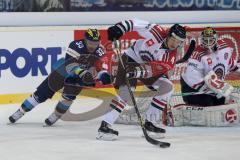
column 198, row 53
column 73, row 50
column 158, row 32
column 76, row 48
column 150, row 42
column 222, row 44
column 77, row 45
column 71, row 44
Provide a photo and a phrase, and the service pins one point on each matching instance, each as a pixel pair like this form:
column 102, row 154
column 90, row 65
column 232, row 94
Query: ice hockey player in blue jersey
column 70, row 75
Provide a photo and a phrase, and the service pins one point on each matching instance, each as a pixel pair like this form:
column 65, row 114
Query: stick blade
column 156, row 142
column 164, row 145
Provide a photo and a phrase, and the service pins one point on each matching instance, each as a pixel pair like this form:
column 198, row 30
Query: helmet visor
column 208, row 41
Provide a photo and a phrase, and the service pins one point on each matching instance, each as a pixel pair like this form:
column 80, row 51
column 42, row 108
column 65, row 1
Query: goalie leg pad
column 212, row 116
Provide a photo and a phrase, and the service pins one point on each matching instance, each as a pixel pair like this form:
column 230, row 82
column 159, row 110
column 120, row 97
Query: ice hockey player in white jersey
column 148, row 60
column 209, row 100
column 211, row 61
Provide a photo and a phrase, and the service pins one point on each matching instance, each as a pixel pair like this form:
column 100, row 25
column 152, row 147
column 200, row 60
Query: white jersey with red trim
column 152, row 47
column 201, row 63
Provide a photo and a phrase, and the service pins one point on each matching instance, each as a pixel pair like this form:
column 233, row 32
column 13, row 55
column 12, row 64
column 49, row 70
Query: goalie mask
column 209, row 38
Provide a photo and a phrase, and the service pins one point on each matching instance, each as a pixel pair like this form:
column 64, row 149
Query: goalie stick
column 196, row 93
column 147, row 137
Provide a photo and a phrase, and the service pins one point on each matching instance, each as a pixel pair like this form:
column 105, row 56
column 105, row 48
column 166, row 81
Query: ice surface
column 29, row 140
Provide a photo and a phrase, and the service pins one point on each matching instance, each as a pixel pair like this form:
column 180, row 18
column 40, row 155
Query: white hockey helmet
column 209, row 38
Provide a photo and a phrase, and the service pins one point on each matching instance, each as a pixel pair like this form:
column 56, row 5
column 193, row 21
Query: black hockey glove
column 114, row 33
column 136, row 72
column 81, row 77
column 105, row 78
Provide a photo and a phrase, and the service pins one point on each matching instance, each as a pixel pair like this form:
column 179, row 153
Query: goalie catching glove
column 221, row 88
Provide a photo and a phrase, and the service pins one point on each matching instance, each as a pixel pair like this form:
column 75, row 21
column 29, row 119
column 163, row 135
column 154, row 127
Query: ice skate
column 106, row 133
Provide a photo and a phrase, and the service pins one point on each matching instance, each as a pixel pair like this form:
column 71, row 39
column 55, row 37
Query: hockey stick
column 188, row 93
column 236, row 90
column 188, row 53
column 148, row 138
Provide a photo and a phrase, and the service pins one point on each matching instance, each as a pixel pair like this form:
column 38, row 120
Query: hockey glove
column 221, row 88
column 105, row 77
column 81, row 76
column 136, row 72
column 114, row 33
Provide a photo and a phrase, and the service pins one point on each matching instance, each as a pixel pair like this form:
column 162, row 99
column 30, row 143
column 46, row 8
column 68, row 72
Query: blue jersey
column 77, row 54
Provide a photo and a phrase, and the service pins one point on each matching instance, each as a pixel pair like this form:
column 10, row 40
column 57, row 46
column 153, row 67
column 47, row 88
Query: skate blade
column 46, row 125
column 155, row 135
column 106, row 136
column 10, row 123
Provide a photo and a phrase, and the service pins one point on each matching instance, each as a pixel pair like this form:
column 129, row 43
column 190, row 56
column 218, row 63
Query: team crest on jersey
column 80, row 44
column 150, row 43
column 219, row 69
column 146, row 56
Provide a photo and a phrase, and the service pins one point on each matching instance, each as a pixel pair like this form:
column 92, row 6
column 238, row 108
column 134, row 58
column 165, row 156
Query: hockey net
column 230, row 34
